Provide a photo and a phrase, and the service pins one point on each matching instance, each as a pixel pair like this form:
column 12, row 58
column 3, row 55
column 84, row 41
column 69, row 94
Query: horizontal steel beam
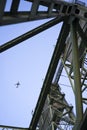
column 63, row 7
column 25, row 16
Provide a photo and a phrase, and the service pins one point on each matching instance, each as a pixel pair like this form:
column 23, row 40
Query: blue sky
column 27, row 63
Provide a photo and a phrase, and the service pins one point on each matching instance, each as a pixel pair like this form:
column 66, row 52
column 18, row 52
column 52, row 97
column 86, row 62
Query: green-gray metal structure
column 69, row 54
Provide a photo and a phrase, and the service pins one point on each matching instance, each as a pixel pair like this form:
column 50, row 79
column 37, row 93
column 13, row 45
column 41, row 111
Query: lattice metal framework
column 71, row 41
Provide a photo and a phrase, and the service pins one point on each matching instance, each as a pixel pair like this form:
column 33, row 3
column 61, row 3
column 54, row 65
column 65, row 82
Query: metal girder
column 80, row 31
column 31, row 33
column 69, row 76
column 2, row 7
column 76, row 70
column 50, row 8
column 25, row 17
column 50, row 73
column 62, row 11
column 14, row 6
column 56, row 110
column 66, row 8
column 58, row 74
column 34, row 8
column 55, row 8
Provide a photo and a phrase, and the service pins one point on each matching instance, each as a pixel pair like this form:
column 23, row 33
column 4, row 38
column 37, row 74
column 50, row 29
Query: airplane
column 17, row 84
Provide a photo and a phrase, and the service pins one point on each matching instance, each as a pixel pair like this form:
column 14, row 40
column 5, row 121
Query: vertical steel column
column 51, row 115
column 76, row 70
column 52, row 125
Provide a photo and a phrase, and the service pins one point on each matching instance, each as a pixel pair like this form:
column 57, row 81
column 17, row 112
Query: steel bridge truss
column 69, row 54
